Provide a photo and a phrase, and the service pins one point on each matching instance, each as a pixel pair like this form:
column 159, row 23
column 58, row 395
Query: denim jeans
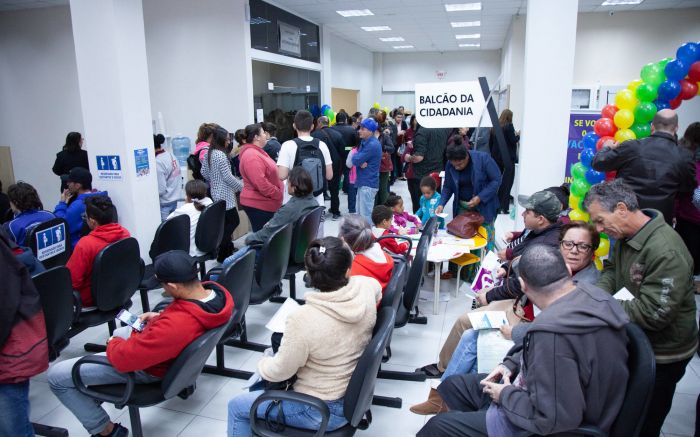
column 166, row 209
column 236, row 256
column 14, row 410
column 365, row 202
column 88, row 411
column 295, row 414
column 463, row 359
column 352, row 197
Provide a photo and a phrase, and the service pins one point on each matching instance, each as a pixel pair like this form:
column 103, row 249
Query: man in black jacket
column 350, row 140
column 334, row 141
column 655, row 167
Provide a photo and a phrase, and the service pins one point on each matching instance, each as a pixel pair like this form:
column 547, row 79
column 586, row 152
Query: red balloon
column 610, row 175
column 675, row 102
column 609, row 111
column 694, row 72
column 604, row 127
column 688, row 89
column 601, row 141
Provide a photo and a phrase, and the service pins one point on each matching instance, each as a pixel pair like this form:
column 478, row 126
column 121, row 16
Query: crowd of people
column 569, row 365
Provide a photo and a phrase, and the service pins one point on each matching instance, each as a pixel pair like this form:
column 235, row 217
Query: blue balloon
column 587, row 157
column 589, row 142
column 594, row 177
column 668, row 90
column 315, row 111
column 676, row 70
column 688, row 53
column 662, row 104
column 324, row 107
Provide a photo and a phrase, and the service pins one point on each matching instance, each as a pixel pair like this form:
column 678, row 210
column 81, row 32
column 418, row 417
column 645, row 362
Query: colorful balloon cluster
column 664, row 84
column 386, row 109
column 325, row 110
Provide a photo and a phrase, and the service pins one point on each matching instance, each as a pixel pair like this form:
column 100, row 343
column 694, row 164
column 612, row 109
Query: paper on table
column 623, row 294
column 491, row 347
column 254, row 378
column 279, row 320
column 443, row 253
column 487, row 319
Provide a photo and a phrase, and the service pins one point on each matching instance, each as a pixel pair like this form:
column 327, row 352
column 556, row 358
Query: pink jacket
column 684, row 202
column 262, row 188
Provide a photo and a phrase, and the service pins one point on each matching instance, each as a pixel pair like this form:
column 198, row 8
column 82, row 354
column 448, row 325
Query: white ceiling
column 423, row 24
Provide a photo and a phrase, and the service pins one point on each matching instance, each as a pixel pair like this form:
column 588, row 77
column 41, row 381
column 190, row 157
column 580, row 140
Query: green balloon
column 646, row 92
column 663, row 62
column 578, row 171
column 644, row 112
column 652, row 74
column 641, row 130
column 580, row 187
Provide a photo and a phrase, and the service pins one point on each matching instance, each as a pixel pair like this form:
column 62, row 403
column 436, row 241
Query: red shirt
column 364, row 266
column 391, row 244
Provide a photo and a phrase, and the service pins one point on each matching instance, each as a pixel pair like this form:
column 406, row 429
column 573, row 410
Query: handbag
column 466, row 225
column 276, row 422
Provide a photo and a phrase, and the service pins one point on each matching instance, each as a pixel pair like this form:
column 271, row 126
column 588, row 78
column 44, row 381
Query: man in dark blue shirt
column 367, row 160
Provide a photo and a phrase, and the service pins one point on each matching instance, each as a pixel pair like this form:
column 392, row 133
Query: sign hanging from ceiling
column 450, row 104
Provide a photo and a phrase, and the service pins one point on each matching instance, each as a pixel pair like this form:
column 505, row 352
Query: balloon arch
column 663, row 84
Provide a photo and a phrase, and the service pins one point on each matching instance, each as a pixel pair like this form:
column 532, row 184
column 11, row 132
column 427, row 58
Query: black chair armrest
column 102, row 360
column 77, row 306
column 589, row 430
column 301, row 398
column 399, row 237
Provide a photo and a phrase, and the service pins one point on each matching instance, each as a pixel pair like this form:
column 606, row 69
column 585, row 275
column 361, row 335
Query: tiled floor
column 204, row 413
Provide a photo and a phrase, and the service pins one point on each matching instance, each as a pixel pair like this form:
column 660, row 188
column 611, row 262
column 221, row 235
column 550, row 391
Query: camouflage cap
column 542, row 202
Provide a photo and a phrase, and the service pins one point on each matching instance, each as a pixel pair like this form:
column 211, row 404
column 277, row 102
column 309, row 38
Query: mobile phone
column 131, row 320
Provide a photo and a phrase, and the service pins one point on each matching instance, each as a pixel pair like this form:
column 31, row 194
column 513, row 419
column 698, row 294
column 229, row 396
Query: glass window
column 277, row 31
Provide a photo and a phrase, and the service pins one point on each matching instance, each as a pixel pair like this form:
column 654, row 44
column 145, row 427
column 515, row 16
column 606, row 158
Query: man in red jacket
column 197, row 308
column 101, row 218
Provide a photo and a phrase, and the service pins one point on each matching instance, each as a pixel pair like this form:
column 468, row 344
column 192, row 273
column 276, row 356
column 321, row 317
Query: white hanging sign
column 450, row 104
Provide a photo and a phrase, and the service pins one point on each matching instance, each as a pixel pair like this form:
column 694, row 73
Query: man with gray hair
column 655, row 167
column 652, row 263
column 571, row 367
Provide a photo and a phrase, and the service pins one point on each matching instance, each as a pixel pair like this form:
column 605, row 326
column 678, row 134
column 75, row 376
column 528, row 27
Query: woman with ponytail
column 195, row 201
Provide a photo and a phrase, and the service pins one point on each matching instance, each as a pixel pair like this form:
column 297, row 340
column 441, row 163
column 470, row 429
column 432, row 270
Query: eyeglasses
column 569, row 245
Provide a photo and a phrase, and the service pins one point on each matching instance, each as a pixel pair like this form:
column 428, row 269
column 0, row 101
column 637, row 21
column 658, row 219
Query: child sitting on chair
column 403, row 223
column 429, row 200
column 381, row 217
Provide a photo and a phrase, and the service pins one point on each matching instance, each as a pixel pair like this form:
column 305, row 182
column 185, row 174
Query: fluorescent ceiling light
column 375, row 28
column 621, row 2
column 259, row 20
column 455, row 7
column 470, row 45
column 355, row 13
column 392, row 39
column 469, row 36
column 465, row 23
column 403, row 47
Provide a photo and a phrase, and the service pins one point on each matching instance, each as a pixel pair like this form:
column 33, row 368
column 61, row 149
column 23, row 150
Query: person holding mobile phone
column 196, row 308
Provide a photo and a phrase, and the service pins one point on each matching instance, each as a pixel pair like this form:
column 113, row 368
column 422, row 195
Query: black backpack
column 194, row 164
column 310, row 158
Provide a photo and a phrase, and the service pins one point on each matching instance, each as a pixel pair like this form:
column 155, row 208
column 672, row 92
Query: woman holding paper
column 323, row 341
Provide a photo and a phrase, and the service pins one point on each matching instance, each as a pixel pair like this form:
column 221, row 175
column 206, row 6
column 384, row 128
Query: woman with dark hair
column 28, row 211
column 386, row 166
column 72, row 155
column 370, row 260
column 262, row 188
column 216, row 169
column 512, row 139
column 413, row 181
column 195, row 201
column 687, row 215
column 323, row 340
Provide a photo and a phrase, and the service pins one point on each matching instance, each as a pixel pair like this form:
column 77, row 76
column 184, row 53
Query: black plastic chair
column 406, row 256
column 357, row 399
column 116, row 274
column 304, row 232
column 640, row 386
column 237, row 278
column 178, row 381
column 61, row 253
column 210, row 230
column 172, row 234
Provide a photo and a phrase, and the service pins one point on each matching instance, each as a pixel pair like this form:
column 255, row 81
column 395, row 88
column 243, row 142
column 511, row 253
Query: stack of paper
column 487, row 319
column 279, row 320
column 491, row 348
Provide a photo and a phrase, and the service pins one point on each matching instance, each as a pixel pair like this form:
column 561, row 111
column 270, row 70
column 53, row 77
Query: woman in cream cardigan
column 323, row 340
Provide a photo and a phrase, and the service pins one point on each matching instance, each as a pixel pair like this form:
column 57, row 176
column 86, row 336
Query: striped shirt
column 223, row 184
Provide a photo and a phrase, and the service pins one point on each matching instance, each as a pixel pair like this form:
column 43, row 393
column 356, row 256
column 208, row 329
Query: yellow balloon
column 603, row 247
column 699, row 88
column 386, row 109
column 624, row 134
column 577, row 214
column 376, row 105
column 632, row 86
column 624, row 118
column 625, row 99
column 574, row 201
column 598, row 263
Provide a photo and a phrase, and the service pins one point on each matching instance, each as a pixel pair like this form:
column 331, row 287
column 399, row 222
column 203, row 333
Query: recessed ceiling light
column 470, row 45
column 620, row 2
column 375, row 28
column 392, row 39
column 455, row 7
column 355, row 13
column 403, row 47
column 465, row 23
column 259, row 20
column 469, row 36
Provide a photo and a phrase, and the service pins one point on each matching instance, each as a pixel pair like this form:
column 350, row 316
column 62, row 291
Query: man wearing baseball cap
column 71, row 207
column 197, row 308
column 367, row 160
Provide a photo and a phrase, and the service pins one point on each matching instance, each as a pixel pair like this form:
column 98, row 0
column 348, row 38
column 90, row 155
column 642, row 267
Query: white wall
column 352, row 68
column 39, row 98
column 512, row 60
column 199, row 63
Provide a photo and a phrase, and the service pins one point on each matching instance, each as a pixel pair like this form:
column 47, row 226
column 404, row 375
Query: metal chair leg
column 145, row 305
column 135, row 417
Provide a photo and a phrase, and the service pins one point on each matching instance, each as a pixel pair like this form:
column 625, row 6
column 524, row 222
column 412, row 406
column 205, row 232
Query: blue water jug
column 181, row 149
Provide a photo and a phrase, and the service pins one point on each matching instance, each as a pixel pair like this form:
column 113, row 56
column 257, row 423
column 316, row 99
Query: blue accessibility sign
column 109, row 167
column 51, row 242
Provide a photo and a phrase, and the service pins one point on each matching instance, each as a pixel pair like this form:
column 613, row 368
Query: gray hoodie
column 573, row 368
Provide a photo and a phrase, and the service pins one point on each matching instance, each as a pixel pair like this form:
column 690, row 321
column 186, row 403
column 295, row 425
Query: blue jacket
column 73, row 214
column 370, row 151
column 486, row 178
column 17, row 228
column 427, row 207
